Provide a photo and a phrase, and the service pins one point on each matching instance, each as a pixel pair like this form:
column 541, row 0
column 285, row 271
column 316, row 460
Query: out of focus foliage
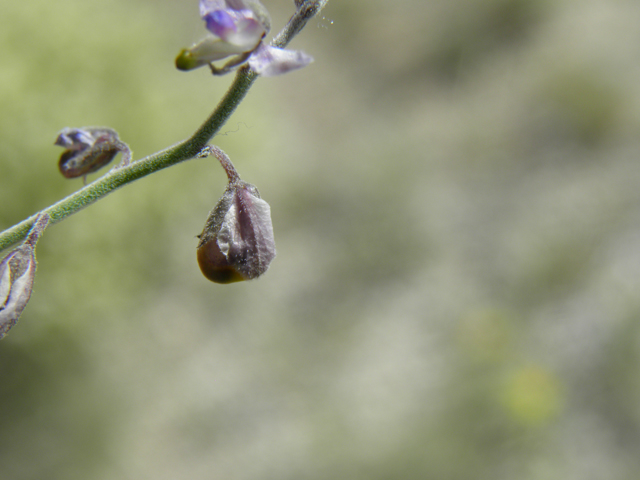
column 455, row 193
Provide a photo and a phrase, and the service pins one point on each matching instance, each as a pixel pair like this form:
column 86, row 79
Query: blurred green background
column 455, row 192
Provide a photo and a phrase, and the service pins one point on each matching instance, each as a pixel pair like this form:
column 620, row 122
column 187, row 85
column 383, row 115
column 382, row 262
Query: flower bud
column 88, row 149
column 271, row 61
column 237, row 241
column 17, row 271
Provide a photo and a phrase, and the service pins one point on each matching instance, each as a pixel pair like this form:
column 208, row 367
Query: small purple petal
column 271, row 61
column 233, row 22
column 220, row 23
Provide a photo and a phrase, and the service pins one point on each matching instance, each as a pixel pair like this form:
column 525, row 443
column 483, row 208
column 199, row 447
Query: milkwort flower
column 238, row 28
column 17, row 271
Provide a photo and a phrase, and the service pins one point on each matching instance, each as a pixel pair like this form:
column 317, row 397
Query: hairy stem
column 180, row 152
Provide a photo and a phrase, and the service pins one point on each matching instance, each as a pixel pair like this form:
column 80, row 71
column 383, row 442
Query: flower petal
column 242, row 30
column 247, row 35
column 74, row 138
column 270, row 61
column 220, row 23
column 206, row 51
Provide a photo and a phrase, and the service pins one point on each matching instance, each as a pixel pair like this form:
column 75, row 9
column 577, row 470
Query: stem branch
column 177, row 153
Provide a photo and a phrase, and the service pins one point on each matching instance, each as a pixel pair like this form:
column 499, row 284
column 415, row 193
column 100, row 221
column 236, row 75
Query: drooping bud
column 237, row 241
column 88, row 149
column 17, row 271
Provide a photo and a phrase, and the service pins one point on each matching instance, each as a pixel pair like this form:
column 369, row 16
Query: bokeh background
column 455, row 191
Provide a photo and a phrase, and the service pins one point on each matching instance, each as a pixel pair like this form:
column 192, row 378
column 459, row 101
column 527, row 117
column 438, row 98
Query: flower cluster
column 238, row 28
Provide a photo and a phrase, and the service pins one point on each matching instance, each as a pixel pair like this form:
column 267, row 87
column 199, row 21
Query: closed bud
column 89, row 149
column 237, row 241
column 17, row 271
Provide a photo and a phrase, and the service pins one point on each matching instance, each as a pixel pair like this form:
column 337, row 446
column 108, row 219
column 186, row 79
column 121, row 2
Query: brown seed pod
column 237, row 241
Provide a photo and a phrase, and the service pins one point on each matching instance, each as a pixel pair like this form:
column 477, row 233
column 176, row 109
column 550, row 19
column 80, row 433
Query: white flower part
column 229, row 233
column 247, row 36
column 271, row 61
column 211, row 49
column 75, row 138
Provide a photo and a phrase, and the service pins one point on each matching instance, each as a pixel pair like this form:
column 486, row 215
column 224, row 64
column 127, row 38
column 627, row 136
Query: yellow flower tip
column 186, row 61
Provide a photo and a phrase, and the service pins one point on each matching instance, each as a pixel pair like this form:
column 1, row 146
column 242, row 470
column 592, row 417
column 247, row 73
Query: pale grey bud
column 17, row 271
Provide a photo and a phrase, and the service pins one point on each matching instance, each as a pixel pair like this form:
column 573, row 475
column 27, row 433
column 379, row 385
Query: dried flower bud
column 17, row 271
column 88, row 149
column 237, row 241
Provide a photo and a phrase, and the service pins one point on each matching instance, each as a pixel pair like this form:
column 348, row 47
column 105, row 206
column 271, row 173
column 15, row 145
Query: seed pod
column 237, row 241
column 17, row 271
column 88, row 149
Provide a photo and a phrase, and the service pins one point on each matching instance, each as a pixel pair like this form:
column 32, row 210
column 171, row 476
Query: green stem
column 180, row 152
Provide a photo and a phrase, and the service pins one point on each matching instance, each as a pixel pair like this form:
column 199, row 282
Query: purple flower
column 238, row 28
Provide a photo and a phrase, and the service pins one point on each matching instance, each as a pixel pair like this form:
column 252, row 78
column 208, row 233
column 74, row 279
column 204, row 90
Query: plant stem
column 177, row 153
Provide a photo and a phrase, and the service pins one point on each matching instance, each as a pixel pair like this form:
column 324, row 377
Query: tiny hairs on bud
column 237, row 241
